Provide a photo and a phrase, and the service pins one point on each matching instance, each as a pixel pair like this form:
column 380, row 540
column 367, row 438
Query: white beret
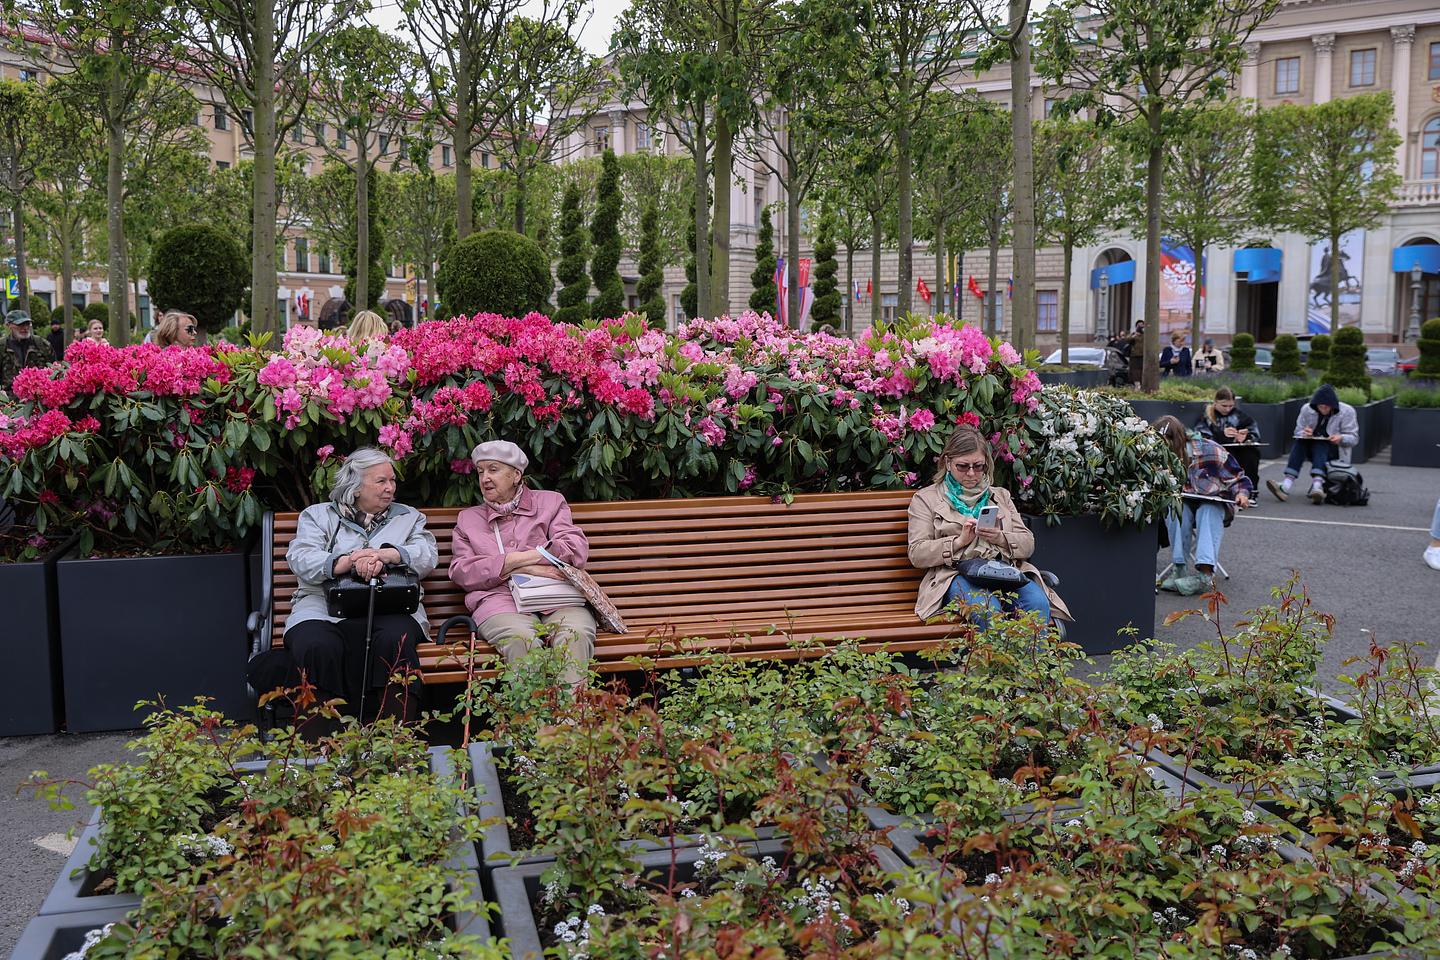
column 501, row 451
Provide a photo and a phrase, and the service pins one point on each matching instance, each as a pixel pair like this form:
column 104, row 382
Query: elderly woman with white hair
column 360, row 530
column 498, row 538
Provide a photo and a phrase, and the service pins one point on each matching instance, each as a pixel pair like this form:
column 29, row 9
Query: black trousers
column 332, row 656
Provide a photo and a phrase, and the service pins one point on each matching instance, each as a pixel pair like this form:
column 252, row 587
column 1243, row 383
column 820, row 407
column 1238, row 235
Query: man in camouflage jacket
column 20, row 348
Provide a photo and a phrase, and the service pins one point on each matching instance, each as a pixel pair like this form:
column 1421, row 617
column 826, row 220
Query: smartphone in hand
column 989, row 517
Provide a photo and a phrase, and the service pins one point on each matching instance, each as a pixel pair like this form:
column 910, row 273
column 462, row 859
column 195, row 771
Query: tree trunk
column 1066, row 267
column 1334, row 283
column 67, row 278
column 463, row 136
column 905, row 214
column 792, row 242
column 519, row 199
column 875, row 236
column 720, row 221
column 115, row 226
column 264, row 282
column 849, row 317
column 937, row 297
column 362, row 225
column 1022, row 304
column 1195, row 298
column 700, row 153
column 20, row 280
column 992, row 292
column 1155, row 164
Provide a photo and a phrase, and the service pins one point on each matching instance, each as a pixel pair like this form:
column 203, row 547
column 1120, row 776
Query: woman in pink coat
column 498, row 538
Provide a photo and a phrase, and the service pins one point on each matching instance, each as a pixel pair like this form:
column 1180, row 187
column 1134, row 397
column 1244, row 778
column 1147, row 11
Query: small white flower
column 1154, row 722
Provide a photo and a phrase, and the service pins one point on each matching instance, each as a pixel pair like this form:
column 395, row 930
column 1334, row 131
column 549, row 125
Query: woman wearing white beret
column 498, row 539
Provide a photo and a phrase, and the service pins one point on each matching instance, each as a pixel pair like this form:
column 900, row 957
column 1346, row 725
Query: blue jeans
column 1435, row 523
column 1202, row 528
column 1318, row 452
column 1030, row 597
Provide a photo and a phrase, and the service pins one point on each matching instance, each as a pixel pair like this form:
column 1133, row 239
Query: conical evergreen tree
column 574, row 296
column 691, row 292
column 605, row 235
column 762, row 278
column 652, row 270
column 825, row 311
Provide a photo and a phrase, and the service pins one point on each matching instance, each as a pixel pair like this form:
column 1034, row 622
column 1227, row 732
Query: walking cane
column 369, row 641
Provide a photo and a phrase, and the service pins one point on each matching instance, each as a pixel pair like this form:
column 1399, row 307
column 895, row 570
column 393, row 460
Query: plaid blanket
column 1215, row 473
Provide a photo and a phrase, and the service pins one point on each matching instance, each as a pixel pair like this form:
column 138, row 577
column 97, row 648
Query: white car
column 1081, row 357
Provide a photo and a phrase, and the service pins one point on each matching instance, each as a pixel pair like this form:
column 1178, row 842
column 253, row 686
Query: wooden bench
column 739, row 574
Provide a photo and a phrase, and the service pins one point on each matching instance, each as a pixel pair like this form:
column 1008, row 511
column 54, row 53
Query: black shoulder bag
column 992, row 574
column 397, row 591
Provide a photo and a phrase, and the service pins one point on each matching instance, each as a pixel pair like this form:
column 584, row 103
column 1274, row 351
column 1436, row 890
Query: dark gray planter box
column 518, row 888
column 32, row 700
column 1081, row 379
column 57, row 936
column 1292, row 414
column 1107, row 577
column 1415, row 440
column 136, row 628
column 1274, row 425
column 1376, row 420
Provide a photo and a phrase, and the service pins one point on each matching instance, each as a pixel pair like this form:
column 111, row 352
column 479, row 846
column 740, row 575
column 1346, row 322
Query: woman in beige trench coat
column 945, row 529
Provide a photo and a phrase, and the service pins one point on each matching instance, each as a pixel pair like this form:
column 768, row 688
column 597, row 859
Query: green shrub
column 96, row 311
column 494, row 271
column 1319, row 352
column 40, row 313
column 825, row 311
column 762, row 279
column 1355, row 396
column 201, row 270
column 1242, row 352
column 605, row 235
column 1259, row 391
column 1418, row 397
column 1285, row 361
column 1347, row 360
column 1386, row 386
column 573, row 300
column 652, row 269
column 1429, row 367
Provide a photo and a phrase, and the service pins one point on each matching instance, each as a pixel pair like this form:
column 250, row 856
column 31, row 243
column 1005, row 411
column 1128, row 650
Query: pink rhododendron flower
column 325, row 452
column 921, row 420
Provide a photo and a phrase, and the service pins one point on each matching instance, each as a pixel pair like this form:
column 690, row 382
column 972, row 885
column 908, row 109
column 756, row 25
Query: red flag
column 922, row 289
column 868, row 290
column 974, row 289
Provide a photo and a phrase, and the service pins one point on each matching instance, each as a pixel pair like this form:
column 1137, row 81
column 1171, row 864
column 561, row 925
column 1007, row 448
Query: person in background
column 1175, row 359
column 1209, row 359
column 95, row 330
column 56, row 336
column 1210, row 472
column 1432, row 552
column 367, row 325
column 1325, row 433
column 1135, row 356
column 175, row 328
column 20, row 348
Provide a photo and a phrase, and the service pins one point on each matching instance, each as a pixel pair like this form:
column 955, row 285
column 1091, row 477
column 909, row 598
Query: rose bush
column 184, row 448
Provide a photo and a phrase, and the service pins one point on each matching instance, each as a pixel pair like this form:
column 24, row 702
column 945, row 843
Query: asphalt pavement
column 1361, row 564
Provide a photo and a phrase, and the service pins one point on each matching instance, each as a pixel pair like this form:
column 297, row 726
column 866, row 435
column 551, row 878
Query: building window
column 485, row 160
column 302, row 255
column 297, row 133
column 1362, row 68
column 888, row 303
column 642, row 135
column 600, row 139
column 322, row 262
column 77, row 300
column 446, row 157
column 1050, row 103
column 1430, row 150
column 1047, row 310
column 222, row 119
column 678, row 310
column 142, row 310
column 29, row 76
column 341, row 140
column 1287, row 75
column 1435, row 61
column 222, row 164
column 318, row 129
column 384, row 144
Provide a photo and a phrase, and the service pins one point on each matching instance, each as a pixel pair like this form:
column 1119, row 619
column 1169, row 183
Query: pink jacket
column 541, row 519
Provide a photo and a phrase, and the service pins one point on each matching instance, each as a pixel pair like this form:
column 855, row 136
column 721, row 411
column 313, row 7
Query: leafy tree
column 988, row 148
column 1285, row 359
column 201, row 270
column 652, row 270
column 574, row 296
column 1075, row 170
column 1143, row 66
column 362, row 256
column 327, row 200
column 259, row 56
column 23, row 131
column 605, row 234
column 1242, row 352
column 762, row 278
column 689, row 294
column 1347, row 360
column 494, row 271
column 1324, row 170
column 855, row 181
column 1319, row 357
column 416, row 206
column 1208, row 195
column 825, row 311
column 946, row 182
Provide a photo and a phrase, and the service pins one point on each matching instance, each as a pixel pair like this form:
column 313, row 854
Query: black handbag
column 991, row 574
column 398, row 591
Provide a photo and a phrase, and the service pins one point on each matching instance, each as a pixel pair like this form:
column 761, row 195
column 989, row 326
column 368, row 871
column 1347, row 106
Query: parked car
column 1262, row 357
column 1081, row 357
column 1382, row 360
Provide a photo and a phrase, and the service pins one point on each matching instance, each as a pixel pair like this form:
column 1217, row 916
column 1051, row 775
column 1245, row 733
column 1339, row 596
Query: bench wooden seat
column 740, row 574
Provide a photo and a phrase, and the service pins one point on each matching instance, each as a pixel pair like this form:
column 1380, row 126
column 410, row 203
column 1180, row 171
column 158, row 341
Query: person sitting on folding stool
column 1214, row 486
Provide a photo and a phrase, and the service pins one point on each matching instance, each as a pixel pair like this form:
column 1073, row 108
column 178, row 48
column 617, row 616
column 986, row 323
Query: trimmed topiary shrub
column 96, row 311
column 1319, row 352
column 494, row 271
column 605, row 235
column 201, row 270
column 1285, row 361
column 1242, row 352
column 825, row 311
column 652, row 269
column 39, row 312
column 573, row 300
column 1429, row 366
column 1347, row 360
column 762, row 279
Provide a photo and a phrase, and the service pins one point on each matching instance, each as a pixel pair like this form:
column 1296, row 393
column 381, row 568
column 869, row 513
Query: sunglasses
column 968, row 467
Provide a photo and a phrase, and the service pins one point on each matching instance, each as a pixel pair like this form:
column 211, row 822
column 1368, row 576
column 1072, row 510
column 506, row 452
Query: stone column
column 1402, row 40
column 1324, row 65
column 617, row 132
column 1250, row 72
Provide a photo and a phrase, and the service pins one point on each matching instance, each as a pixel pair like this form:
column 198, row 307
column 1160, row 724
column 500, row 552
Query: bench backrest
column 709, row 559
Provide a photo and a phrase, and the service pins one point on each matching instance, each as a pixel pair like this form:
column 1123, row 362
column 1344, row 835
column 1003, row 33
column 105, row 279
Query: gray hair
column 352, row 473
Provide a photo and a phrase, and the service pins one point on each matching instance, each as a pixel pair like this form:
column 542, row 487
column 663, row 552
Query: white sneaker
column 1432, row 558
column 1317, row 491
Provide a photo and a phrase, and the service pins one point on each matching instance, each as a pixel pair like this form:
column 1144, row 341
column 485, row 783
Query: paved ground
column 1361, row 564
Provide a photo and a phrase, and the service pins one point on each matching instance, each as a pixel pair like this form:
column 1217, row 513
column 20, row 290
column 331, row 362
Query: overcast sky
column 595, row 38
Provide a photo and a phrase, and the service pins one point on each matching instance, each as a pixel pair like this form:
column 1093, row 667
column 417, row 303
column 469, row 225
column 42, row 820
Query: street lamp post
column 1417, row 277
column 1104, row 304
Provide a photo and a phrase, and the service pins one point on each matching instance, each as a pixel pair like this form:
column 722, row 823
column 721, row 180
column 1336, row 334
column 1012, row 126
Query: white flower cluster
column 574, row 932
column 818, row 900
column 1154, row 722
column 901, row 902
column 523, row 766
column 1243, row 953
column 202, row 848
column 991, row 879
column 1170, row 919
column 710, row 858
column 92, row 937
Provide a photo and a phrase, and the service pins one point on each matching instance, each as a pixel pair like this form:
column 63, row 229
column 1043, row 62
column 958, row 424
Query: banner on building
column 1177, row 287
column 1318, row 296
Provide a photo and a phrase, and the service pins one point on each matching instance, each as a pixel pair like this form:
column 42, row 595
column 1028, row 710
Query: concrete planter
column 1107, row 577
column 1081, row 379
column 31, row 700
column 1415, row 440
column 135, row 628
column 1274, row 424
column 57, row 936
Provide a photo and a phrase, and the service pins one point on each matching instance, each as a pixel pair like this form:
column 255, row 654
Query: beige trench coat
column 935, row 547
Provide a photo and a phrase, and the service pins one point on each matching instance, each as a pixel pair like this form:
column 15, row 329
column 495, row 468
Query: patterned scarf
column 968, row 504
column 505, row 509
column 367, row 522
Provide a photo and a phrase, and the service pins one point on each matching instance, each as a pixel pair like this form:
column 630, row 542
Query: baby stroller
column 1117, row 363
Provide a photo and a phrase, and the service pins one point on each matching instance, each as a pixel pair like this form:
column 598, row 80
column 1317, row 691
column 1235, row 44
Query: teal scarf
column 957, row 496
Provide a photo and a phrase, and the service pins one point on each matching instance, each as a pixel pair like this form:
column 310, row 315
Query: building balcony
column 1418, row 193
